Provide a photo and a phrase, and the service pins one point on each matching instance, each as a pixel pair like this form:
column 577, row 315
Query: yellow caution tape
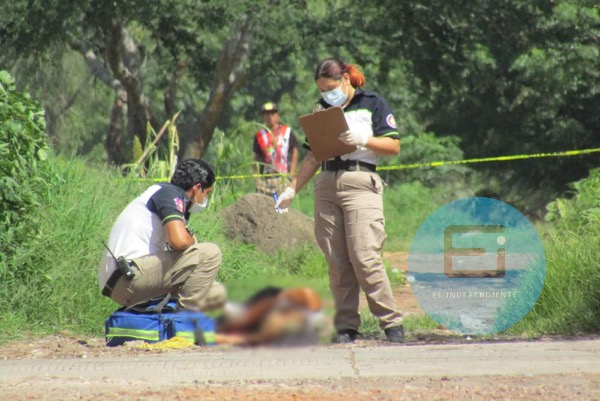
column 490, row 159
column 451, row 162
column 240, row 177
column 432, row 164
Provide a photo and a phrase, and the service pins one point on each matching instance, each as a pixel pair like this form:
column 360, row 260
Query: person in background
column 275, row 152
column 163, row 255
column 348, row 212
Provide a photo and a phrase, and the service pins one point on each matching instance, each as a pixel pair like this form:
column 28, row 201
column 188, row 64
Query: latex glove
column 285, row 199
column 355, row 138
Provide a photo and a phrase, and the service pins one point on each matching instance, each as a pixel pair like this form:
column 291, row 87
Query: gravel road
column 551, row 369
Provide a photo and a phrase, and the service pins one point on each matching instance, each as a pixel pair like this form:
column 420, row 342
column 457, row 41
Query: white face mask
column 198, row 207
column 335, row 97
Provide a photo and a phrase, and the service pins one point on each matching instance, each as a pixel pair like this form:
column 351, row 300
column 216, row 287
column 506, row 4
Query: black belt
column 112, row 281
column 347, row 165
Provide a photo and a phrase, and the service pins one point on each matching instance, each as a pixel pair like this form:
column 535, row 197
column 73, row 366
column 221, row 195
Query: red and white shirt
column 274, row 148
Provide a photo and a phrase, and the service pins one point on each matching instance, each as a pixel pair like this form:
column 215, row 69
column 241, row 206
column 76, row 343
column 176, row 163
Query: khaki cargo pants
column 349, row 227
column 188, row 275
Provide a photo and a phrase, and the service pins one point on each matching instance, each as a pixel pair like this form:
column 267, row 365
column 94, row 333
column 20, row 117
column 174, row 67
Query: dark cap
column 269, row 106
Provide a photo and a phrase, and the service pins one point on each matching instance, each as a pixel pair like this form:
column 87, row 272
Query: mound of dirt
column 253, row 220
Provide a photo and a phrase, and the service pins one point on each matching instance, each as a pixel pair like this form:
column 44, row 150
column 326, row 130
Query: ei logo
column 450, row 252
column 476, row 265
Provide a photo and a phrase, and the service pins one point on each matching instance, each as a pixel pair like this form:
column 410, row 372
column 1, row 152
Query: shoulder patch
column 391, row 121
column 179, row 204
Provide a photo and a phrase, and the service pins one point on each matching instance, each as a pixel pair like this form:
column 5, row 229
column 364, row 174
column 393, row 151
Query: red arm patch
column 179, row 204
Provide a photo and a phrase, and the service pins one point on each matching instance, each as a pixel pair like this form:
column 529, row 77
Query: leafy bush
column 56, row 286
column 230, row 153
column 424, row 148
column 582, row 210
column 23, row 150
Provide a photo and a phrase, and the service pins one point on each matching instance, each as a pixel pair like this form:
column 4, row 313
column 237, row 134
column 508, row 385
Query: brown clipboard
column 322, row 130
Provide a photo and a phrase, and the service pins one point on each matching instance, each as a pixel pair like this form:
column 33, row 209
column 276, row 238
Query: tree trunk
column 171, row 93
column 125, row 59
column 131, row 112
column 116, row 130
column 229, row 76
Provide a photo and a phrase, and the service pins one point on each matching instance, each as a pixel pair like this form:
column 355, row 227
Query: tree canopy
column 509, row 77
column 162, row 56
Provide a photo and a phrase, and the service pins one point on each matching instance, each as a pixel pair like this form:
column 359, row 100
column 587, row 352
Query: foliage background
column 494, row 78
column 23, row 151
column 49, row 276
column 485, row 80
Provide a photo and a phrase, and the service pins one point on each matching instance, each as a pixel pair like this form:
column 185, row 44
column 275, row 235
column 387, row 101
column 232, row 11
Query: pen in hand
column 276, row 198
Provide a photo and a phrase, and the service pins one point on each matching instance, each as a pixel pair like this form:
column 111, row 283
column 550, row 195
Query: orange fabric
column 275, row 147
column 303, row 297
column 265, row 141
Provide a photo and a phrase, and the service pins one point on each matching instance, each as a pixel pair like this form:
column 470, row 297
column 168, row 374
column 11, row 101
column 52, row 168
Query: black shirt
column 366, row 111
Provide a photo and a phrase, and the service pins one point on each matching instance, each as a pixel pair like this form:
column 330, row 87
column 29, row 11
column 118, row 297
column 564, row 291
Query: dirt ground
column 572, row 387
column 253, row 220
column 576, row 387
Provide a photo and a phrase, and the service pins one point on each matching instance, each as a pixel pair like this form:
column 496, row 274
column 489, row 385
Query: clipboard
column 322, row 129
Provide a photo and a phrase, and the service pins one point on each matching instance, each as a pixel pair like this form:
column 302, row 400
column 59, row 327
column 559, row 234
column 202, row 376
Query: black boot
column 395, row 334
column 344, row 336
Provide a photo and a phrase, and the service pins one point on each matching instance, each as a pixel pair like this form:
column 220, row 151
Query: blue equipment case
column 144, row 323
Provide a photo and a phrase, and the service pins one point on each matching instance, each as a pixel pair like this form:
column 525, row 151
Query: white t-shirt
column 139, row 229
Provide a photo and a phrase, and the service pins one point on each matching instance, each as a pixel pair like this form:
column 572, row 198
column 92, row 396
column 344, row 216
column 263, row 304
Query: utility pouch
column 125, row 268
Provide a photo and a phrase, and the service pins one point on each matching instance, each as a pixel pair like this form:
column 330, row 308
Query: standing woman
column 349, row 221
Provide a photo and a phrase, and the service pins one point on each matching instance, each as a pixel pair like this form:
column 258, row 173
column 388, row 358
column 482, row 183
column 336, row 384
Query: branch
column 71, row 101
column 95, row 65
column 158, row 136
column 235, row 52
column 228, row 77
column 170, row 94
column 125, row 57
column 113, row 55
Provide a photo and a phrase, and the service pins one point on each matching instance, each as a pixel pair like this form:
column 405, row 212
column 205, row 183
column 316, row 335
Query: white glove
column 285, row 199
column 355, row 138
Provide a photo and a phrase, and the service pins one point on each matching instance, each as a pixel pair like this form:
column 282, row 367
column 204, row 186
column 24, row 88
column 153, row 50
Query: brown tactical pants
column 349, row 227
column 188, row 275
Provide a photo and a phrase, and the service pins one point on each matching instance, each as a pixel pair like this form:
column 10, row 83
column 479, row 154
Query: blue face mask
column 335, row 97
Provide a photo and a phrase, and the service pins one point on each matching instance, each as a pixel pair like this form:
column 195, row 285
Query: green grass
column 369, row 324
column 50, row 283
column 406, row 206
column 570, row 299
